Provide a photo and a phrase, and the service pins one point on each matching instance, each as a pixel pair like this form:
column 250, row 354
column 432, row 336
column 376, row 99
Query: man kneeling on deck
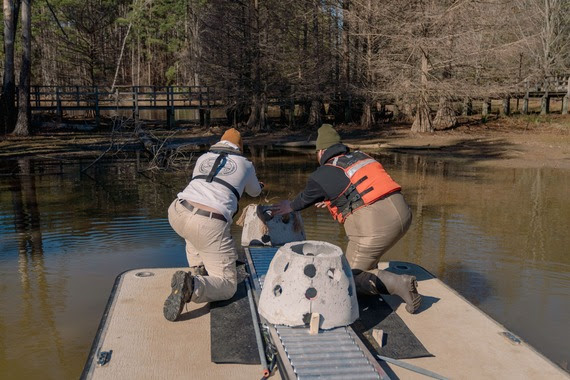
column 202, row 214
column 365, row 199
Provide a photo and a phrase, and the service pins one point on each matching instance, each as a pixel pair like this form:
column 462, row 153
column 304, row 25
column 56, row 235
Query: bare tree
column 543, row 26
column 7, row 103
column 258, row 114
column 24, row 108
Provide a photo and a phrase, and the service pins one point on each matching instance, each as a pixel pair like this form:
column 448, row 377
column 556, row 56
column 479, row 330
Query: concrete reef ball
column 308, row 277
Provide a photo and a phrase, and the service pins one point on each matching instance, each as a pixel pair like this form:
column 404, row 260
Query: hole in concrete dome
column 277, row 290
column 330, row 273
column 285, row 218
column 311, row 293
column 311, row 249
column 307, row 318
column 310, row 270
column 267, row 213
column 286, row 267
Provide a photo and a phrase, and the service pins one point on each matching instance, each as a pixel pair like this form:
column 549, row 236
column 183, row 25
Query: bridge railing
column 553, row 86
column 123, row 97
column 133, row 99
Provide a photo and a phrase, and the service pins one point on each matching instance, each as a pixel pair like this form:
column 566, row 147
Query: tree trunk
column 367, row 120
column 346, row 44
column 315, row 114
column 445, row 117
column 9, row 85
column 24, row 109
column 258, row 118
column 422, row 122
column 467, row 106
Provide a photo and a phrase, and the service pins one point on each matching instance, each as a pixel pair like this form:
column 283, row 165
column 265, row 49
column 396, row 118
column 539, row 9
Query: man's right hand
column 321, row 205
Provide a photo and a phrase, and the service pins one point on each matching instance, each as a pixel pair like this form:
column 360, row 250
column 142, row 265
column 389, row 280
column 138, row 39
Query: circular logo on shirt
column 229, row 167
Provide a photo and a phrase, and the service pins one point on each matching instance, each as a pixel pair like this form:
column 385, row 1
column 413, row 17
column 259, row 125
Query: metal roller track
column 331, row 354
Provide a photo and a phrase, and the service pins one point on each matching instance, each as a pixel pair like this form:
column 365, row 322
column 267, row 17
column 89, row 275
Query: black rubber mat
column 231, row 327
column 399, row 341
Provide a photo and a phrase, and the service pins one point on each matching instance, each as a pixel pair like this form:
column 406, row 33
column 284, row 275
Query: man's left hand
column 281, row 208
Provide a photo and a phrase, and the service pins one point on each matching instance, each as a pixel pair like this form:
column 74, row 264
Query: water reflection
column 497, row 236
column 37, row 300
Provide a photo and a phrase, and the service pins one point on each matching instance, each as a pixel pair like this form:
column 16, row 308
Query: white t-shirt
column 238, row 171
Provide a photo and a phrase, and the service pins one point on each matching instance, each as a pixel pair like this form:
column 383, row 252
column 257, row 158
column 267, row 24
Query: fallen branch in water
column 108, row 149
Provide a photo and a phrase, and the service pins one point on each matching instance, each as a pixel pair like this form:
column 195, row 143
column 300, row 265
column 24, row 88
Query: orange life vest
column 368, row 183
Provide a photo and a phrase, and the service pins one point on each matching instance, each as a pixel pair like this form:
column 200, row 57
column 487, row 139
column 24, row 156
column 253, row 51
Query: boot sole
column 175, row 302
column 416, row 298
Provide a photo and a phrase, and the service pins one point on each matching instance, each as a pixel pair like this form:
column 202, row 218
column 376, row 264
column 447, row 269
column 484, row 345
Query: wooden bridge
column 133, row 99
column 550, row 87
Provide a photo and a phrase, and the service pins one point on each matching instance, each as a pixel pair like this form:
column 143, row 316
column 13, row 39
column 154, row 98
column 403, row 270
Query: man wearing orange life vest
column 360, row 195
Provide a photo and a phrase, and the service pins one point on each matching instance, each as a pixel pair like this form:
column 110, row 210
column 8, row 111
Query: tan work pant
column 209, row 243
column 374, row 229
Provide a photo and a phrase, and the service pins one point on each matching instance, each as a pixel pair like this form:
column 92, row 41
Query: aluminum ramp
column 331, row 354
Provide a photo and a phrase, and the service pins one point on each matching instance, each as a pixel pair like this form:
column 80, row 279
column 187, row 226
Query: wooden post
column 117, row 102
column 58, row 105
column 566, row 98
column 200, row 110
column 172, row 109
column 37, row 91
column 348, row 110
column 467, row 106
column 97, row 116
column 525, row 99
column 207, row 119
column 77, row 95
column 545, row 101
column 136, row 104
column 168, row 109
column 395, row 111
column 202, row 117
column 486, row 107
column 545, row 104
column 506, row 109
column 292, row 113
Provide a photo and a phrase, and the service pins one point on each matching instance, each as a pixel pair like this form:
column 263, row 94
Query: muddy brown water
column 500, row 237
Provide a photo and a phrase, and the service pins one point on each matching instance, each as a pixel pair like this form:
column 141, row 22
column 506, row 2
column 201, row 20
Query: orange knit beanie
column 232, row 135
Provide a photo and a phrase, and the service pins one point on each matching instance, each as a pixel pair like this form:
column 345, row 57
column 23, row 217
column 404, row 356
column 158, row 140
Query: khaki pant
column 374, row 229
column 209, row 243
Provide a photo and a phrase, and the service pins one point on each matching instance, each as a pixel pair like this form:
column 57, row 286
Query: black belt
column 199, row 211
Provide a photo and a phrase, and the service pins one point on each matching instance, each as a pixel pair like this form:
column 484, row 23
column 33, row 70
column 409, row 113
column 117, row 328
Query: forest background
column 419, row 56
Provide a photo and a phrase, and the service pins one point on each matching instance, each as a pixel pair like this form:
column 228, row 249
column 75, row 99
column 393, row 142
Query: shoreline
column 530, row 141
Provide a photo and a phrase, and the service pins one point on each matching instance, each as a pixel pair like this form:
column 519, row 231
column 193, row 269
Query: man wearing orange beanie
column 202, row 214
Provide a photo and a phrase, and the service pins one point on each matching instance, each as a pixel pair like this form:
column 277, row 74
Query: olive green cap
column 327, row 137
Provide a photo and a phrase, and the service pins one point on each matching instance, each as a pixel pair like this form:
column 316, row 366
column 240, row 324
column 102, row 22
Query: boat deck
column 146, row 346
column 465, row 342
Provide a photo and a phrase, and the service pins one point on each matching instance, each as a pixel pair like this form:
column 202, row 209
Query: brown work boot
column 402, row 285
column 182, row 284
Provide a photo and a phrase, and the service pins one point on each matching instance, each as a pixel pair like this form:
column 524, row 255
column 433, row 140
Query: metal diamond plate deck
column 330, row 354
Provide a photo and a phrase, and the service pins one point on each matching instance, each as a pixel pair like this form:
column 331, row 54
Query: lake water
column 500, row 237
